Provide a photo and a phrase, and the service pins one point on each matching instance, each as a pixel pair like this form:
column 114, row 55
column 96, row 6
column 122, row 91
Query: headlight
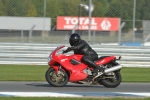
column 49, row 58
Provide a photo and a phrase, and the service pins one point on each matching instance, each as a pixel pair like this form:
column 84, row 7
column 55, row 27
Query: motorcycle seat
column 100, row 58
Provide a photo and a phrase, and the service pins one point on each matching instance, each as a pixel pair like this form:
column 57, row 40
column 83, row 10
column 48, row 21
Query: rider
column 81, row 47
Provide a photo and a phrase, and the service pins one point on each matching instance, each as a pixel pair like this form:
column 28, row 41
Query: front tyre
column 112, row 82
column 57, row 80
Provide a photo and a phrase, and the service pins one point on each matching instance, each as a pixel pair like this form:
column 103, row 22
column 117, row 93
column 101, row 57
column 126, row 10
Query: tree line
column 102, row 8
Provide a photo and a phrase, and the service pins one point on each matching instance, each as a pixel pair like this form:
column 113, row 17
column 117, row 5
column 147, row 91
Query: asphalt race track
column 43, row 89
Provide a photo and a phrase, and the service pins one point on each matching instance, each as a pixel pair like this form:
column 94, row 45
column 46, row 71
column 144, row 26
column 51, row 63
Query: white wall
column 25, row 23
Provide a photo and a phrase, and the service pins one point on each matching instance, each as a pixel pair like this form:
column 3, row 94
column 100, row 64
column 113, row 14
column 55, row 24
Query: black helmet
column 74, row 39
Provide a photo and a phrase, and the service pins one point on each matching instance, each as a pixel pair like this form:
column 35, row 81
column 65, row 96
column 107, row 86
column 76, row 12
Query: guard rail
column 37, row 54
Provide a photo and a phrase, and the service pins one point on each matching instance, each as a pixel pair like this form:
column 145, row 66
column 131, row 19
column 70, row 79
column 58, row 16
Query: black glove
column 67, row 50
column 64, row 51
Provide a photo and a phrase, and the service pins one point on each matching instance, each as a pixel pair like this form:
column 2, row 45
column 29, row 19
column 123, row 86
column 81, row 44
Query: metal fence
column 131, row 12
column 37, row 54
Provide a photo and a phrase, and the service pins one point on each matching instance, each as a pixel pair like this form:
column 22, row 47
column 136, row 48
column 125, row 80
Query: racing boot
column 97, row 70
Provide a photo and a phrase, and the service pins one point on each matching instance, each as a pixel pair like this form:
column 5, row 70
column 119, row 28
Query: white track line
column 74, row 94
column 37, row 94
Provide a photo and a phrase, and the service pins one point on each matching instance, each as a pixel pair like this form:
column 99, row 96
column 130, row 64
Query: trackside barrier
column 37, row 54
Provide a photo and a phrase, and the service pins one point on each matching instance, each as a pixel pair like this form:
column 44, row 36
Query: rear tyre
column 57, row 80
column 112, row 82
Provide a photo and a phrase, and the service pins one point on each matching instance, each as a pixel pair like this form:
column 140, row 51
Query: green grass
column 135, row 74
column 22, row 72
column 37, row 73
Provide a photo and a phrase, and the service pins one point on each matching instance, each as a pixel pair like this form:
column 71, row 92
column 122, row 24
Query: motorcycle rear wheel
column 57, row 80
column 112, row 82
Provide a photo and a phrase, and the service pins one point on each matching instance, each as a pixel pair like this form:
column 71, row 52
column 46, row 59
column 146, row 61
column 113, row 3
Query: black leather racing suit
column 89, row 54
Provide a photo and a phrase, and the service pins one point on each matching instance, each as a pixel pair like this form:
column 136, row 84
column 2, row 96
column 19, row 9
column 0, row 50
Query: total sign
column 96, row 23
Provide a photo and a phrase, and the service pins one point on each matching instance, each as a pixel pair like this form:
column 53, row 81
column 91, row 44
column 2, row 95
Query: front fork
column 58, row 69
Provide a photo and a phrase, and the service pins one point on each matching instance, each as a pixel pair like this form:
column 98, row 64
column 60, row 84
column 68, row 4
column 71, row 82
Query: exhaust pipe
column 112, row 69
column 108, row 71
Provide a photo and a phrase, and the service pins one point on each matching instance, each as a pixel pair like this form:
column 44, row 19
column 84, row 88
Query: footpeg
column 99, row 74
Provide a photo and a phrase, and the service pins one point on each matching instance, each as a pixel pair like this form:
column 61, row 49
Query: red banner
column 97, row 23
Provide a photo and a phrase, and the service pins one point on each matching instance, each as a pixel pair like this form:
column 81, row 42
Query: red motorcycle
column 69, row 68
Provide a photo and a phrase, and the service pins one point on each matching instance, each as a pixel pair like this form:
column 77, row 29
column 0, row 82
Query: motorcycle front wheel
column 57, row 80
column 112, row 82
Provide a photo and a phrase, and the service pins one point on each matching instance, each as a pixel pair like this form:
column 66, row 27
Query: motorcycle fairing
column 76, row 71
column 74, row 62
